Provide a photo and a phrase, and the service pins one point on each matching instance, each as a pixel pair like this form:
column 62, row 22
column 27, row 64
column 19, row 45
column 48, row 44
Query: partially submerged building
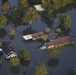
column 8, row 50
column 56, row 42
column 38, row 35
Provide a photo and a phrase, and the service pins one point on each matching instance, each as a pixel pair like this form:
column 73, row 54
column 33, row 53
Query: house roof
column 27, row 37
column 7, row 48
column 59, row 41
column 38, row 7
column 39, row 34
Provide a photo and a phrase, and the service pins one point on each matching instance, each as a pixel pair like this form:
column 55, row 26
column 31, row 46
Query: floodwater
column 56, row 66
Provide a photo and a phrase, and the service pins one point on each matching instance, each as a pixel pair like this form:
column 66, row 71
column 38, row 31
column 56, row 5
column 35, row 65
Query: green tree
column 14, row 61
column 23, row 3
column 30, row 15
column 11, row 31
column 3, row 21
column 54, row 52
column 0, row 62
column 24, row 55
column 72, row 71
column 57, row 4
column 6, row 7
column 67, row 21
column 0, row 44
column 40, row 69
column 58, row 30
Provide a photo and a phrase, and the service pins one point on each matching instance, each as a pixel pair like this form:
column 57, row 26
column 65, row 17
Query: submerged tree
column 6, row 7
column 40, row 69
column 53, row 52
column 3, row 21
column 14, row 61
column 67, row 21
column 30, row 15
column 72, row 71
column 58, row 30
column 24, row 55
column 11, row 31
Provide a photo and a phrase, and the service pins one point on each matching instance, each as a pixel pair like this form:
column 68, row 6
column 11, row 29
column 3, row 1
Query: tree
column 24, row 55
column 67, row 21
column 3, row 21
column 58, row 30
column 53, row 52
column 6, row 7
column 11, row 31
column 30, row 15
column 40, row 69
column 72, row 71
column 14, row 61
column 0, row 62
column 57, row 4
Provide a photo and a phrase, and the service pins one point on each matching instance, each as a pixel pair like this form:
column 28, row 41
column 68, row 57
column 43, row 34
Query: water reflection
column 3, row 33
column 53, row 63
column 15, row 69
column 47, row 21
column 29, row 30
column 12, row 37
column 24, row 63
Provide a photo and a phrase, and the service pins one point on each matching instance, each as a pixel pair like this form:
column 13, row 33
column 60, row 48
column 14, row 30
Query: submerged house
column 38, row 35
column 8, row 50
column 56, row 42
column 38, row 7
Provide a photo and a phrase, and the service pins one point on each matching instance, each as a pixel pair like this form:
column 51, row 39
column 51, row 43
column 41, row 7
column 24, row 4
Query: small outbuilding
column 38, row 7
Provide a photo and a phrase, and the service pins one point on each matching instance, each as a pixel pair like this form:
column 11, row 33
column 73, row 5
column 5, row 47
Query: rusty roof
column 59, row 41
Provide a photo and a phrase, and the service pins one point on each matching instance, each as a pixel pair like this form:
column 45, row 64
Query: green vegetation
column 67, row 21
column 44, row 38
column 72, row 71
column 0, row 62
column 0, row 44
column 11, row 31
column 14, row 61
column 24, row 55
column 58, row 30
column 53, row 52
column 40, row 69
column 3, row 21
column 6, row 7
column 30, row 15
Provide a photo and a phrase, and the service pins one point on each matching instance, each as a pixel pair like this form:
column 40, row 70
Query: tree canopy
column 30, row 15
column 67, row 21
column 6, row 7
column 40, row 69
column 3, row 21
column 14, row 61
column 23, row 54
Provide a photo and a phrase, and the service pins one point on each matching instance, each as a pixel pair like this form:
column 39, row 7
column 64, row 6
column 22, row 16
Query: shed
column 38, row 7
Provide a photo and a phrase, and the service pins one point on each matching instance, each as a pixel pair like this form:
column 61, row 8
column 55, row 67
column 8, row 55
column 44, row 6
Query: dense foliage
column 40, row 69
column 14, row 61
column 24, row 55
column 11, row 31
column 30, row 15
column 3, row 21
column 6, row 7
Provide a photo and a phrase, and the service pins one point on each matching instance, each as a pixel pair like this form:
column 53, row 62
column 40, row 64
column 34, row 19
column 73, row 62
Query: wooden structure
column 38, row 35
column 57, row 42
